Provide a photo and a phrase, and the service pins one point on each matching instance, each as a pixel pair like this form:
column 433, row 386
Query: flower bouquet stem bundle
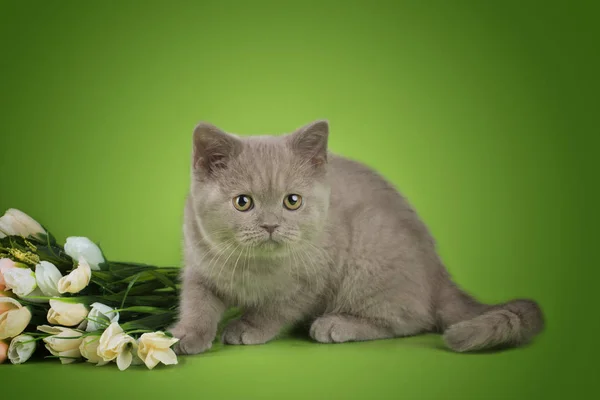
column 80, row 305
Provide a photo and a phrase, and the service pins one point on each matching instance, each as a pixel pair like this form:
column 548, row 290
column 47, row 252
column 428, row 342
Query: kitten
column 292, row 233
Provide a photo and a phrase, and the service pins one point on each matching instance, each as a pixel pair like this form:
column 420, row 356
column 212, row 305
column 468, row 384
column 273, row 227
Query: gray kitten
column 291, row 233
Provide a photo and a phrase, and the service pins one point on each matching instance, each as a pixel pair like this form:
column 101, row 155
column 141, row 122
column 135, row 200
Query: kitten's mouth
column 271, row 242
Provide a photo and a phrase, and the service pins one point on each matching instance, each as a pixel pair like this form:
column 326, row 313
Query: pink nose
column 269, row 228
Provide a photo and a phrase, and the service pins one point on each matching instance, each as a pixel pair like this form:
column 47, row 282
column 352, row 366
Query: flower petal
column 82, row 247
column 167, row 357
column 21, row 349
column 70, row 356
column 47, row 277
column 16, row 222
column 124, row 360
column 20, row 280
column 66, row 313
column 13, row 322
column 77, row 280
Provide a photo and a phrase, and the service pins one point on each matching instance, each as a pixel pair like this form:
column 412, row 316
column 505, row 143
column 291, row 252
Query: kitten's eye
column 292, row 201
column 242, row 202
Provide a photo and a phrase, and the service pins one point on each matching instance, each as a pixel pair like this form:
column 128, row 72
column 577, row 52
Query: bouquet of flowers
column 78, row 304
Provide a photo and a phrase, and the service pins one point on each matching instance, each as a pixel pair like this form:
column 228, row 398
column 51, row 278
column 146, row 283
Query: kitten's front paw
column 190, row 341
column 331, row 329
column 240, row 332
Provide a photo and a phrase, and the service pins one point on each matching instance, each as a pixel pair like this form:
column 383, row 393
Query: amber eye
column 242, row 202
column 292, row 201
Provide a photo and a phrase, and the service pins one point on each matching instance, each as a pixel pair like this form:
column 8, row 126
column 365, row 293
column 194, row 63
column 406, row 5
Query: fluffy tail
column 469, row 325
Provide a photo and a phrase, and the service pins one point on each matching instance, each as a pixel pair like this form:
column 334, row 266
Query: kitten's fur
column 354, row 261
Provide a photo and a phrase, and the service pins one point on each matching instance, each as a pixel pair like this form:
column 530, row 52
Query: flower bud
column 78, row 247
column 47, row 277
column 65, row 313
column 21, row 349
column 77, row 280
column 63, row 342
column 16, row 223
column 13, row 319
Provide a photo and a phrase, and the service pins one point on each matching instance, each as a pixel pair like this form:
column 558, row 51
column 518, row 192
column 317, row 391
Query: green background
column 482, row 113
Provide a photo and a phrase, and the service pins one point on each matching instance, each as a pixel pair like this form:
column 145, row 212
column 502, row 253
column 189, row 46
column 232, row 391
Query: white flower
column 65, row 313
column 5, row 264
column 63, row 342
column 20, row 280
column 100, row 317
column 116, row 344
column 89, row 350
column 14, row 318
column 47, row 277
column 78, row 247
column 17, row 223
column 77, row 280
column 21, row 349
column 35, row 297
column 155, row 348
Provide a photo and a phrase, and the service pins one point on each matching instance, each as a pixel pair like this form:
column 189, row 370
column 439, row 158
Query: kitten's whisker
column 216, row 259
column 319, row 249
column 211, row 252
column 293, row 262
column 313, row 268
column 234, row 267
column 287, row 249
column 309, row 278
column 223, row 264
column 246, row 260
column 246, row 270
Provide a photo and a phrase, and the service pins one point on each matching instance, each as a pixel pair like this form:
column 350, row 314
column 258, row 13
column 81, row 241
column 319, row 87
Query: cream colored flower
column 21, row 349
column 78, row 247
column 65, row 313
column 100, row 317
column 115, row 344
column 3, row 351
column 17, row 223
column 47, row 277
column 13, row 319
column 5, row 306
column 63, row 342
column 20, row 280
column 5, row 265
column 77, row 280
column 89, row 350
column 155, row 348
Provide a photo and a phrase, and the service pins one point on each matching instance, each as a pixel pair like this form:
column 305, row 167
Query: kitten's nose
column 269, row 227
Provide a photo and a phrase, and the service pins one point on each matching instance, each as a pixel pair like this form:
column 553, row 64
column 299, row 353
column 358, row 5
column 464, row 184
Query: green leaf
column 129, row 288
column 166, row 281
column 144, row 310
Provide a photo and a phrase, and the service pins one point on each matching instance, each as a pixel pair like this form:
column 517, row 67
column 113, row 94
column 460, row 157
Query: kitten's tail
column 469, row 325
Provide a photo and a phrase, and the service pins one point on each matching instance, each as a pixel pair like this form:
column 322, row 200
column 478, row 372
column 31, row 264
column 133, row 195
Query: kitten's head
column 263, row 193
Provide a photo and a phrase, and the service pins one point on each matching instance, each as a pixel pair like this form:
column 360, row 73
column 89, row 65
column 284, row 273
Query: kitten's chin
column 270, row 248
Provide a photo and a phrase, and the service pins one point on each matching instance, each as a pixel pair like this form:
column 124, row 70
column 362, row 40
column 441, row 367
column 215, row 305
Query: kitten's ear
column 310, row 142
column 213, row 148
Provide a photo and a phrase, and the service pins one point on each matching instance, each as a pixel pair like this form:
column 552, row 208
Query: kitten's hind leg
column 339, row 328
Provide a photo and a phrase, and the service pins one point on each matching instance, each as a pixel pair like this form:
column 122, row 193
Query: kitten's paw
column 241, row 332
column 190, row 342
column 332, row 329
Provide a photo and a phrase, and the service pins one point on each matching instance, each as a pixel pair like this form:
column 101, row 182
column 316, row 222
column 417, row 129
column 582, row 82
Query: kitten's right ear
column 310, row 142
column 213, row 149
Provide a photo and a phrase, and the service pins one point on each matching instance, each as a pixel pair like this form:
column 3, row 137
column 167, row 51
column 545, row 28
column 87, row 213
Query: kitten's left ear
column 213, row 149
column 310, row 142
